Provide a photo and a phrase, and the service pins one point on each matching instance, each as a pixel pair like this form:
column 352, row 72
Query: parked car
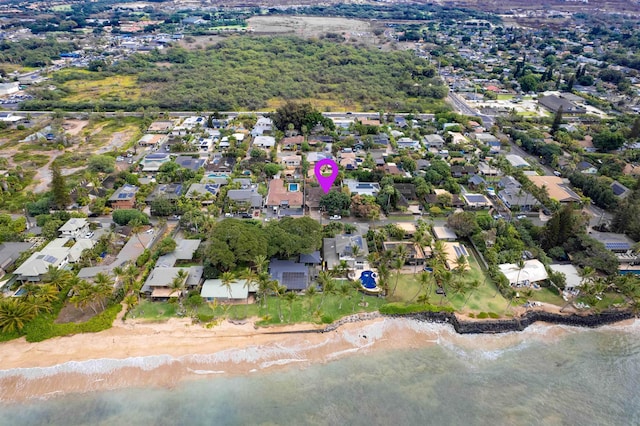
column 521, row 216
column 335, row 217
column 246, row 216
column 228, row 215
column 89, row 234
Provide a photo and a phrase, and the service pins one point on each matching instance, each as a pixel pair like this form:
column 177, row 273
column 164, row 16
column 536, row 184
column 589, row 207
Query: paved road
column 461, row 106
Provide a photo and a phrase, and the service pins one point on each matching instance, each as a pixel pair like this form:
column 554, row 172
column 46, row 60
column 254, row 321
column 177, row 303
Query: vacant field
column 309, row 26
column 115, row 88
column 196, row 42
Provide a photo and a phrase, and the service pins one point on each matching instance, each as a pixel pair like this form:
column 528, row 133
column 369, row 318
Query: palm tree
column 310, row 293
column 327, row 285
column 423, row 279
column 520, row 265
column 103, row 287
column 446, row 280
column 398, row 263
column 58, row 277
column 227, row 279
column 345, row 292
column 250, row 278
column 130, row 274
column 278, row 291
column 263, row 288
column 118, row 272
column 83, row 295
column 47, row 293
column 178, row 284
column 14, row 314
column 290, row 297
column 130, row 300
column 473, row 286
column 261, row 263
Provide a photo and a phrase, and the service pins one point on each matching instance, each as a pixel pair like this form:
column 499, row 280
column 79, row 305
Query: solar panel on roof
column 50, row 259
column 617, row 246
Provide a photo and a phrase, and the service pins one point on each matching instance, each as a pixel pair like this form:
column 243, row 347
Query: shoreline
column 142, row 354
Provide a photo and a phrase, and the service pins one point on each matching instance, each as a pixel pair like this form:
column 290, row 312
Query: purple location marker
column 326, row 181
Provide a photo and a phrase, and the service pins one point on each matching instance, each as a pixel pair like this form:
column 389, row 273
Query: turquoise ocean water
column 580, row 377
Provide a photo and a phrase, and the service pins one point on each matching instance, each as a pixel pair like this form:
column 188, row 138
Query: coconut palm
column 250, row 278
column 14, row 314
column 423, row 280
column 58, row 277
column 131, row 300
column 290, row 297
column 278, row 291
column 473, row 286
column 520, row 265
column 261, row 263
column 398, row 263
column 227, row 279
column 327, row 285
column 83, row 294
column 103, row 287
column 310, row 294
column 48, row 293
column 263, row 289
column 178, row 284
column 344, row 291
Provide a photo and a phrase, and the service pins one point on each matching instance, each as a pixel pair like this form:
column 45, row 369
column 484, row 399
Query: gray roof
column 189, row 162
column 161, row 277
column 125, row 192
column 476, row 180
column 345, row 242
column 246, row 196
column 311, row 258
column 292, row 275
column 10, row 252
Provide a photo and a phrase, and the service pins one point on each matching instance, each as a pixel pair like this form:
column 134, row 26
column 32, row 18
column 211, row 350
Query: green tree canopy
column 126, row 216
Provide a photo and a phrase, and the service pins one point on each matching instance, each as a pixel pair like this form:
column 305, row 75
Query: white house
column 76, row 227
column 532, row 272
column 267, row 142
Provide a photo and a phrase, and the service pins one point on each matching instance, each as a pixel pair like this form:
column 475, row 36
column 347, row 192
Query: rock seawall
column 520, row 323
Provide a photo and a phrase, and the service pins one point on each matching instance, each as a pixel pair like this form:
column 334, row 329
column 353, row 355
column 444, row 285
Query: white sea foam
column 268, row 364
column 205, row 372
column 92, row 366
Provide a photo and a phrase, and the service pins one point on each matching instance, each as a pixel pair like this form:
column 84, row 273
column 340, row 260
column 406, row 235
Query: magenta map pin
column 326, row 181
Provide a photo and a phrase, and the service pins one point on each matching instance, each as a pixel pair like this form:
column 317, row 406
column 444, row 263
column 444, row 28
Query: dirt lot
column 74, row 127
column 308, row 26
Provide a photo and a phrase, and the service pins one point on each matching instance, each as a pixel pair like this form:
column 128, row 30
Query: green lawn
column 484, row 299
column 154, row 310
column 547, row 295
column 303, row 309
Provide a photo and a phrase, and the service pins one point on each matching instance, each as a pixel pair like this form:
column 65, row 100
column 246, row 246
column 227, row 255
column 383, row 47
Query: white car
column 89, row 235
column 228, row 215
column 335, row 217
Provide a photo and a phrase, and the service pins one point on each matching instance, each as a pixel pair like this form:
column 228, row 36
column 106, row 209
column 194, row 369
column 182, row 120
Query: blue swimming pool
column 217, row 175
column 293, row 187
column 368, row 279
column 21, row 292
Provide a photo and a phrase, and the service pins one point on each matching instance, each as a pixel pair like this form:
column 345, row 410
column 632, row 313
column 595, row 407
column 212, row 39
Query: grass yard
column 114, row 88
column 505, row 97
column 484, row 299
column 547, row 295
column 154, row 311
column 302, row 309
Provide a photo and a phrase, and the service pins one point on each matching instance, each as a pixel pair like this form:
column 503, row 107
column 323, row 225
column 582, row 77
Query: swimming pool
column 20, row 292
column 293, row 187
column 368, row 279
column 217, row 175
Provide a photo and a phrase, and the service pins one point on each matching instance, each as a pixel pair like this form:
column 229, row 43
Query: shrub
column 483, row 315
column 205, row 317
column 125, row 216
column 493, row 315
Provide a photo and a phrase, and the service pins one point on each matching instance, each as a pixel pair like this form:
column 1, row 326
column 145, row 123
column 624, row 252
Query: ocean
column 549, row 375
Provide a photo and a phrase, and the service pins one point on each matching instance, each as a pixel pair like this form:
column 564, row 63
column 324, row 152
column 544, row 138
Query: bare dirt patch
column 74, row 127
column 309, row 26
column 196, row 42
column 70, row 313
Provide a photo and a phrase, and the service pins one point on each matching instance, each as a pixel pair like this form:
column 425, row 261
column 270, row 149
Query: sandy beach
column 142, row 354
column 138, row 353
